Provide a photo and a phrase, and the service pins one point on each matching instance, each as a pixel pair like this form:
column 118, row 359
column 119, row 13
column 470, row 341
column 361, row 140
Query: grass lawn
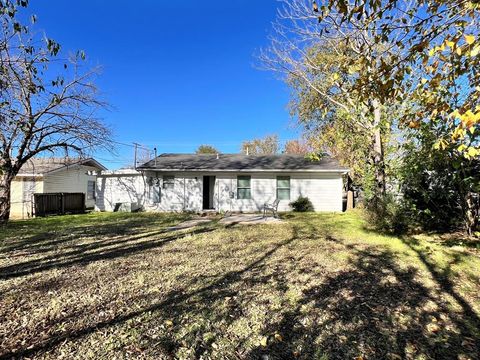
column 319, row 286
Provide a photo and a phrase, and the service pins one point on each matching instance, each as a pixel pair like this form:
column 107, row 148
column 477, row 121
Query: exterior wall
column 186, row 195
column 120, row 186
column 73, row 179
column 323, row 189
column 21, row 209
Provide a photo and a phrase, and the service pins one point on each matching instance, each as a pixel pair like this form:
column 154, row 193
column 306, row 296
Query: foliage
column 389, row 215
column 269, row 145
column 383, row 65
column 434, row 62
column 437, row 185
column 111, row 285
column 297, row 147
column 206, row 149
column 302, row 204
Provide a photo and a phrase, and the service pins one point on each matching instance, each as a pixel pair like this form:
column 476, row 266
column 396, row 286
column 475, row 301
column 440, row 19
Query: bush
column 302, row 204
column 389, row 214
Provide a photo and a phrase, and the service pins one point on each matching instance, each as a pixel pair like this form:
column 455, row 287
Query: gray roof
column 240, row 162
column 38, row 166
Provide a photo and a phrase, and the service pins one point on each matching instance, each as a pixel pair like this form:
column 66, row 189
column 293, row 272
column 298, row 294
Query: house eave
column 342, row 171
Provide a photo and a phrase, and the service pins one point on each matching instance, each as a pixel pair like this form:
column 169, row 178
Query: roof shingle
column 240, row 162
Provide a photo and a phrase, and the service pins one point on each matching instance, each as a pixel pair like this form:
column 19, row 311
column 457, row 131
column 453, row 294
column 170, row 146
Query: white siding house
column 53, row 175
column 180, row 182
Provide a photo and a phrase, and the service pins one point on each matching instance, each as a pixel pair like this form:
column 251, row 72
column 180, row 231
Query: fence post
column 62, row 201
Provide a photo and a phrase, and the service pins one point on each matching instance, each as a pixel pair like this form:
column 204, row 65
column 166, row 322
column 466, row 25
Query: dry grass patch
column 317, row 286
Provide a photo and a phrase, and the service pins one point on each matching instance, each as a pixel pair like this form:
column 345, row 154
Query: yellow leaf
column 336, row 76
column 470, row 39
column 264, row 341
column 475, row 50
column 450, row 43
column 169, row 323
column 278, row 337
column 473, row 152
column 459, row 51
column 462, row 147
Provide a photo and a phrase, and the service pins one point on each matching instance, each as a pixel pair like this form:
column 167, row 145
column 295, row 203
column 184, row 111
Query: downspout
column 230, row 197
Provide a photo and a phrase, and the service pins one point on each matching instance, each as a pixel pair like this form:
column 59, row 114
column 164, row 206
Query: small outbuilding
column 53, row 175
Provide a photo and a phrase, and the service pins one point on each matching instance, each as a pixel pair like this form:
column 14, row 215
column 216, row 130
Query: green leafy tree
column 46, row 104
column 206, row 149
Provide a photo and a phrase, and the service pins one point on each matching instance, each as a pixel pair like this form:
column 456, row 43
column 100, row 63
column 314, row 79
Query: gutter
column 343, row 171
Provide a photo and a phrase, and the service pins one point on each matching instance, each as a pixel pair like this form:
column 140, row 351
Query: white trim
column 67, row 166
column 29, row 175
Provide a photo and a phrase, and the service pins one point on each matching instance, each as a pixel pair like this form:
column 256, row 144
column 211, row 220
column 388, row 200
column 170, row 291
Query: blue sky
column 177, row 73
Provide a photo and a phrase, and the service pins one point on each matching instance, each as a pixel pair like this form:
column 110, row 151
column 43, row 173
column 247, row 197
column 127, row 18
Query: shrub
column 389, row 214
column 302, row 204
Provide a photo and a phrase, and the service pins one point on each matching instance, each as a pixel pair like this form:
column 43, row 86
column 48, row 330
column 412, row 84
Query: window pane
column 155, row 194
column 91, row 190
column 168, row 181
column 283, row 182
column 244, row 193
column 283, row 194
column 243, row 181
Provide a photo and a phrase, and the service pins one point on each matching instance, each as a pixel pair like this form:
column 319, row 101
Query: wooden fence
column 59, row 203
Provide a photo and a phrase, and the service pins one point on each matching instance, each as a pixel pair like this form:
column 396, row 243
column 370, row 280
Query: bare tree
column 269, row 145
column 46, row 104
column 298, row 147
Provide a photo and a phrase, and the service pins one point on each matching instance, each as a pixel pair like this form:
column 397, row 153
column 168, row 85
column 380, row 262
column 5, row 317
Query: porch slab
column 246, row 219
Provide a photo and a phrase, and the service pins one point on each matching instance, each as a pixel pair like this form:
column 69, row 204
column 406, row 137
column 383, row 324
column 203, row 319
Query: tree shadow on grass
column 373, row 307
column 175, row 304
column 50, row 233
column 96, row 251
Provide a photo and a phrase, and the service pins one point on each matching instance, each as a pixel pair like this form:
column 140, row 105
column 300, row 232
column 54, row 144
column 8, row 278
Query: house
column 53, row 175
column 224, row 182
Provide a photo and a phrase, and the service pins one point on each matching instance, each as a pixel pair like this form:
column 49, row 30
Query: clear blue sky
column 178, row 73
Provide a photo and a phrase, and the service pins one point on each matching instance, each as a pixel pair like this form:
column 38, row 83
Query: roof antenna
column 155, row 149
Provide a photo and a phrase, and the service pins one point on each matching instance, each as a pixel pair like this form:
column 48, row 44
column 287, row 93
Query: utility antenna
column 135, row 156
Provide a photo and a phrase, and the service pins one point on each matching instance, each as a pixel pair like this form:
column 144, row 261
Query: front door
column 208, row 191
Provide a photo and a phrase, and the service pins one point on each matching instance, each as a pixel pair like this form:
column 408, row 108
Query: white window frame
column 168, row 182
column 289, row 188
column 249, row 187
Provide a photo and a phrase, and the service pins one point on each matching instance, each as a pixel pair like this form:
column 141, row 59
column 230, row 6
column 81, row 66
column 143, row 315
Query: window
column 155, row 193
column 28, row 189
column 283, row 187
column 244, row 190
column 168, row 181
column 91, row 190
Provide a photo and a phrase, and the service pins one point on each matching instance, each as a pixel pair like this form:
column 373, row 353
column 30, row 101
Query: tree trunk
column 378, row 155
column 5, row 185
column 471, row 212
